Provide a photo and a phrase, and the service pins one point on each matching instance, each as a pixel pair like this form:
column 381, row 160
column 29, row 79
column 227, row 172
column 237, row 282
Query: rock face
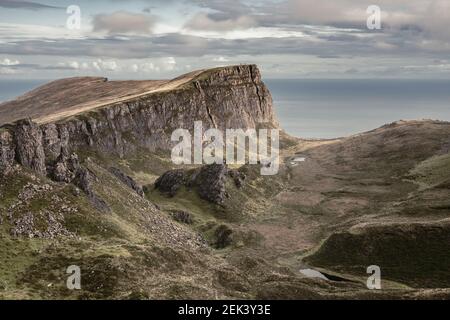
column 229, row 97
column 29, row 146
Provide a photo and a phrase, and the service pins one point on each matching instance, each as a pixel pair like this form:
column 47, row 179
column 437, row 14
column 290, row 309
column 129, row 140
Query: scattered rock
column 31, row 226
column 65, row 168
column 30, row 190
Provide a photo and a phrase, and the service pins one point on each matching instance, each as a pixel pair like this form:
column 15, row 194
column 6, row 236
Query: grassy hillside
column 255, row 243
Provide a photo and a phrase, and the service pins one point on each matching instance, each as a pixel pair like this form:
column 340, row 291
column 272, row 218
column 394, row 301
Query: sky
column 160, row 39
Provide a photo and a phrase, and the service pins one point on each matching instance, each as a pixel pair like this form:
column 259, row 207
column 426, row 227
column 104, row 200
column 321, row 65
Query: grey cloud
column 430, row 17
column 222, row 10
column 17, row 4
column 177, row 45
column 222, row 16
column 208, row 22
column 35, row 66
column 122, row 22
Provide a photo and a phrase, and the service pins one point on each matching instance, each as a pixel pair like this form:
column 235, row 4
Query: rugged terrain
column 86, row 179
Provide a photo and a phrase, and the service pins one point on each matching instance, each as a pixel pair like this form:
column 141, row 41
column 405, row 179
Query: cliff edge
column 120, row 117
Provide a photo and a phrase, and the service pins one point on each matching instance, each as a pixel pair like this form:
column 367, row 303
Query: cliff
column 120, row 118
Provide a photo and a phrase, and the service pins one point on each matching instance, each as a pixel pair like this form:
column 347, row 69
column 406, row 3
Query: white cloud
column 9, row 62
column 98, row 65
column 145, row 67
column 220, row 59
column 169, row 63
column 158, row 65
column 101, row 65
column 7, row 71
column 135, row 68
column 74, row 65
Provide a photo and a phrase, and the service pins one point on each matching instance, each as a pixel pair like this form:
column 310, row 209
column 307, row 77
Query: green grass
column 433, row 171
column 186, row 200
column 16, row 255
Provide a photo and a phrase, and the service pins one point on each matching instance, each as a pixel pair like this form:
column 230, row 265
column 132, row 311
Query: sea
column 325, row 109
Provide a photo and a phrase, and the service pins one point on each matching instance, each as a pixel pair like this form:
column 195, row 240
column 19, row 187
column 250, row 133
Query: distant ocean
column 336, row 108
column 10, row 89
column 333, row 108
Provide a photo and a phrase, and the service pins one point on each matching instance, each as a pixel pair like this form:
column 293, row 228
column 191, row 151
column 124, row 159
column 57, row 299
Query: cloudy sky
column 162, row 38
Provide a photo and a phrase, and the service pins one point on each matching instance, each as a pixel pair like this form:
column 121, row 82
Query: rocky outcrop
column 171, row 181
column 84, row 179
column 29, row 146
column 208, row 181
column 65, row 168
column 127, row 180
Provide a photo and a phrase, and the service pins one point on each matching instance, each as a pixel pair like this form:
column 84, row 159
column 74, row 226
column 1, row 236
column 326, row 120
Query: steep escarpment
column 229, row 97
